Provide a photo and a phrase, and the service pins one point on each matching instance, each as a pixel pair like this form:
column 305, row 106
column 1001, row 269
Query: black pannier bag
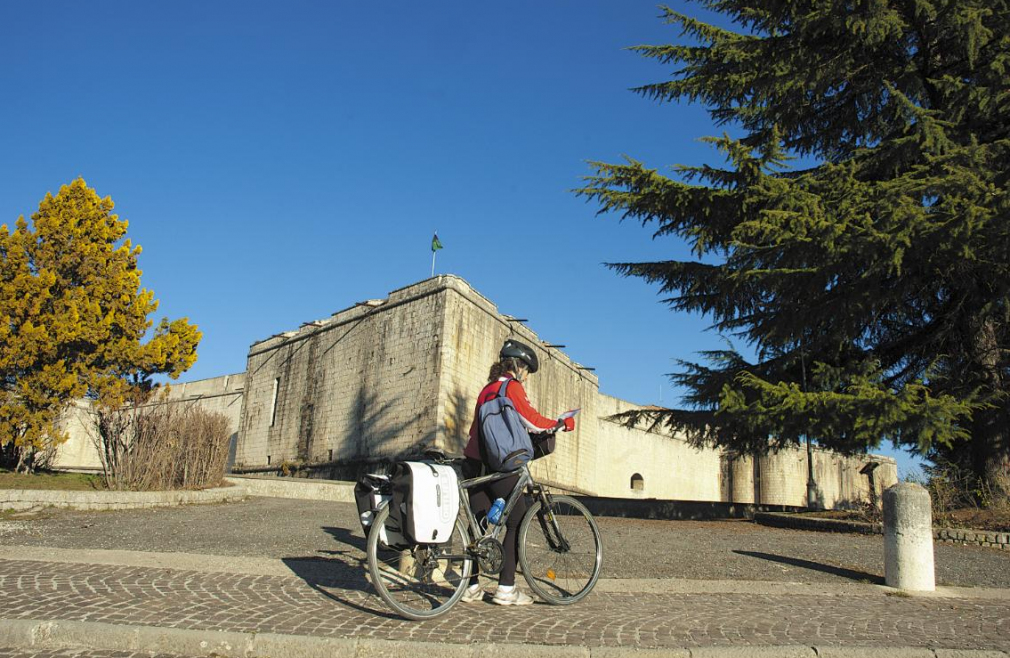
column 543, row 445
column 370, row 493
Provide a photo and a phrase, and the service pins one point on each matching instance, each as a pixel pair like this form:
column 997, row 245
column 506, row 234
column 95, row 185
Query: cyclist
column 515, row 362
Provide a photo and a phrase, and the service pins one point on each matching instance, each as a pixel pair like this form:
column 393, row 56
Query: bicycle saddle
column 442, row 458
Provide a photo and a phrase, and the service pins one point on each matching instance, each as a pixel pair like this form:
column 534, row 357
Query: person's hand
column 569, row 424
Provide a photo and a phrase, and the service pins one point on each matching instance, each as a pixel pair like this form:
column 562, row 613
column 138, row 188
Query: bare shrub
column 953, row 487
column 161, row 446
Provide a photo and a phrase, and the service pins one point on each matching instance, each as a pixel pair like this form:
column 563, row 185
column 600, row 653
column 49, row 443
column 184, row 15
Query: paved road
column 726, row 550
column 319, row 588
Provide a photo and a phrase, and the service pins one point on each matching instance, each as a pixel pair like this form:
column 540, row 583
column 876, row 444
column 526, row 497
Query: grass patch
column 51, row 480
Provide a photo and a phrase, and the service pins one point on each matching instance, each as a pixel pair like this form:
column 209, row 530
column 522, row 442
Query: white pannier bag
column 427, row 497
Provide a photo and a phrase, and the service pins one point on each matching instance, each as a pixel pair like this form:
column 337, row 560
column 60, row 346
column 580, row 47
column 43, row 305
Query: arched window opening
column 637, row 482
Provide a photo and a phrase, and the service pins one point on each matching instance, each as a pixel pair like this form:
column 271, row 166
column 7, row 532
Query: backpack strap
column 504, row 385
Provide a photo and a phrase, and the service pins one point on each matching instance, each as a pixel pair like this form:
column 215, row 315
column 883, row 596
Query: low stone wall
column 989, row 539
column 301, row 488
column 978, row 537
column 21, row 500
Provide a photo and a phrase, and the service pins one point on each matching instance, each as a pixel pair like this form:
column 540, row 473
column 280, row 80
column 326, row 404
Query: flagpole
column 433, row 252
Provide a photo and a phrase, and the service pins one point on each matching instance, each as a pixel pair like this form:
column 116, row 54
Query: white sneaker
column 511, row 597
column 472, row 594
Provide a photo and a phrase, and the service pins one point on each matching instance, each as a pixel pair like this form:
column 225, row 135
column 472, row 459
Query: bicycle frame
column 476, row 532
column 548, row 574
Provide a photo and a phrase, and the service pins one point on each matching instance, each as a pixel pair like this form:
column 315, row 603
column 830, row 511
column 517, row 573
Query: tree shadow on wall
column 459, row 411
column 377, row 427
column 842, row 572
column 369, row 438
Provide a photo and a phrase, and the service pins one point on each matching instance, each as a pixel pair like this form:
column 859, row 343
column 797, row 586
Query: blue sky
column 282, row 161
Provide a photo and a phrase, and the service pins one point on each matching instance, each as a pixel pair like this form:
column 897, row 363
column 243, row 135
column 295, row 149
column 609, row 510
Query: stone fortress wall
column 657, row 464
column 391, row 377
column 360, row 385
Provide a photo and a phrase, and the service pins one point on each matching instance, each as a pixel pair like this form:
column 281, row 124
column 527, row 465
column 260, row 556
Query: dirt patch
column 996, row 520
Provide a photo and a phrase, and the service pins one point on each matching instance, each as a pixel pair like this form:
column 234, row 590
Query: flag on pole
column 436, row 244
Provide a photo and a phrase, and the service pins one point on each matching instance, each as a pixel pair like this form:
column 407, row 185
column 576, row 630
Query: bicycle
column 560, row 551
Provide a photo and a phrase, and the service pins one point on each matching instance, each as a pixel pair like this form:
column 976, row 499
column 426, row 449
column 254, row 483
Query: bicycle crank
column 490, row 555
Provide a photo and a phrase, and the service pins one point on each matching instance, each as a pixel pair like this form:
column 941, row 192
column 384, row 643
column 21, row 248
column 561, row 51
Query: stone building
column 391, row 377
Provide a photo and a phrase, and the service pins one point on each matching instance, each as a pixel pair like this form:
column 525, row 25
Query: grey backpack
column 504, row 442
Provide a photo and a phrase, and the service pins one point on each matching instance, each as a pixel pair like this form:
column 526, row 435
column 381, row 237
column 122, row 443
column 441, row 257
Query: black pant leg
column 502, row 489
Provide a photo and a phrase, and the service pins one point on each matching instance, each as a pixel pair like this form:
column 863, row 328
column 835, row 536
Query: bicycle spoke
column 561, row 551
column 424, row 581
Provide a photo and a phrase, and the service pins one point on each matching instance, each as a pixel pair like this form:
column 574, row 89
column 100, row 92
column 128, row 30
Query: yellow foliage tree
column 73, row 319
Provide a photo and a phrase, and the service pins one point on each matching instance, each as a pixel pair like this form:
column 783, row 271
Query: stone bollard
column 908, row 538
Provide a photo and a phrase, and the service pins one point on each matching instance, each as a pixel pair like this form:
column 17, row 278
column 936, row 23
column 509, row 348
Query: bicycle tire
column 559, row 574
column 414, row 583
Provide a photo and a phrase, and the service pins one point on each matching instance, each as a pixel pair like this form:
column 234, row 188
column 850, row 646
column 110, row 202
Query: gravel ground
column 716, row 550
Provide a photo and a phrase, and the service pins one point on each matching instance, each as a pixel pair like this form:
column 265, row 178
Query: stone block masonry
column 361, row 385
column 984, row 538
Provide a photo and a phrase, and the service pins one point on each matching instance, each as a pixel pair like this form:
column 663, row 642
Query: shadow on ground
column 850, row 574
column 345, row 571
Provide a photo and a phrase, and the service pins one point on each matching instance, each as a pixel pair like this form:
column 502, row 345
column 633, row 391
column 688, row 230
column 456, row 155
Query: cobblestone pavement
column 12, row 652
column 716, row 550
column 327, row 595
column 340, row 604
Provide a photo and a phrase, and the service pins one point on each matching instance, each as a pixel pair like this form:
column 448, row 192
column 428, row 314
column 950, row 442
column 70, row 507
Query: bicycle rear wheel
column 423, row 581
column 560, row 550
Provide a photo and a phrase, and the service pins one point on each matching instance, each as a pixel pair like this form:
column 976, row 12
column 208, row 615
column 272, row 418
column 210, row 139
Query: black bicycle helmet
column 525, row 353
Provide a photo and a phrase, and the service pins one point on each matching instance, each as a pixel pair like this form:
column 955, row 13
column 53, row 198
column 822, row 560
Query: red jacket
column 514, row 391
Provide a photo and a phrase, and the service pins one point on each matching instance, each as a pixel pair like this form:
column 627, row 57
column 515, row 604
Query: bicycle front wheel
column 423, row 581
column 560, row 550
